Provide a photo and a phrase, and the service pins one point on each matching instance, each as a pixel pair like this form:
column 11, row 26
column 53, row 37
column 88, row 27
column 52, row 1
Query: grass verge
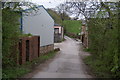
column 86, row 49
column 98, row 67
column 20, row 70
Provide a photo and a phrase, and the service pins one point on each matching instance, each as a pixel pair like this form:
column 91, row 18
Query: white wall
column 41, row 24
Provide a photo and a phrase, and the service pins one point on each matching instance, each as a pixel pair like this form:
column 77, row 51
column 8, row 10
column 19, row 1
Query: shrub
column 10, row 37
column 104, row 43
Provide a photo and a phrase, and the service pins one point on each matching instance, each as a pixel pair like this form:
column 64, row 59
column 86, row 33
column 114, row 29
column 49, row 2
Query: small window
column 56, row 30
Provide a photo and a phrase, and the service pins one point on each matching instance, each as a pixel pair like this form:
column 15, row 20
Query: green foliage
column 55, row 16
column 86, row 49
column 98, row 67
column 0, row 36
column 25, row 35
column 10, row 37
column 103, row 43
column 58, row 17
column 72, row 26
column 21, row 70
column 14, row 72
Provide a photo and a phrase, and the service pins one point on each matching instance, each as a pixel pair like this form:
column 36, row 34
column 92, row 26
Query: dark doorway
column 56, row 30
column 82, row 38
column 27, row 50
column 20, row 52
column 38, row 46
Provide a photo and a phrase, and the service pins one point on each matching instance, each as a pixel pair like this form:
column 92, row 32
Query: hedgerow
column 10, row 37
column 104, row 45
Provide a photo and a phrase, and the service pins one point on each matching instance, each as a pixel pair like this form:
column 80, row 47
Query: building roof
column 56, row 25
column 37, row 7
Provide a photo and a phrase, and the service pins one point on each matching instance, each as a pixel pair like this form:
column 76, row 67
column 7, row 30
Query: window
column 56, row 30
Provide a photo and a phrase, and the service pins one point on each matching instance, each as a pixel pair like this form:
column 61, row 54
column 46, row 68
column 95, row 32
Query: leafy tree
column 103, row 39
column 10, row 31
column 10, row 37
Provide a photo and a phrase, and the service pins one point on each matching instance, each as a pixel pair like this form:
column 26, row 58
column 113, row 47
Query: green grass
column 20, row 70
column 14, row 72
column 86, row 49
column 72, row 26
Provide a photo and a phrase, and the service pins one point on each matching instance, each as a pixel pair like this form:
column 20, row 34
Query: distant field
column 72, row 26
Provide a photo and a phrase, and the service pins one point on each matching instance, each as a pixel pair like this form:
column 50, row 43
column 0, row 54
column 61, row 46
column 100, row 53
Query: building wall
column 60, row 29
column 62, row 33
column 58, row 36
column 31, row 49
column 40, row 24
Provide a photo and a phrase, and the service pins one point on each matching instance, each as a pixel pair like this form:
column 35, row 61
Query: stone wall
column 84, row 36
column 46, row 49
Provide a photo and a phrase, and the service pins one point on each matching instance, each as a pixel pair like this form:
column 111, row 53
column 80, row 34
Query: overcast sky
column 51, row 4
column 54, row 3
column 48, row 3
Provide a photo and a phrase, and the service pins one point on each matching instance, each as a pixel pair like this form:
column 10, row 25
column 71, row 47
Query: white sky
column 48, row 3
column 54, row 3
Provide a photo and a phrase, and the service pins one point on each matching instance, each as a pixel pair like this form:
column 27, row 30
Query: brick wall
column 28, row 49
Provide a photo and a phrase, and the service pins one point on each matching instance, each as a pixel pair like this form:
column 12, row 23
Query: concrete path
column 67, row 64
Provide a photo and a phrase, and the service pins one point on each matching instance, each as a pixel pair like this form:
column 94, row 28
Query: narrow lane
column 68, row 64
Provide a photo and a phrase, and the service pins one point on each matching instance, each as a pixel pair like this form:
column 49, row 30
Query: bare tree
column 17, row 5
column 61, row 9
column 85, row 9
